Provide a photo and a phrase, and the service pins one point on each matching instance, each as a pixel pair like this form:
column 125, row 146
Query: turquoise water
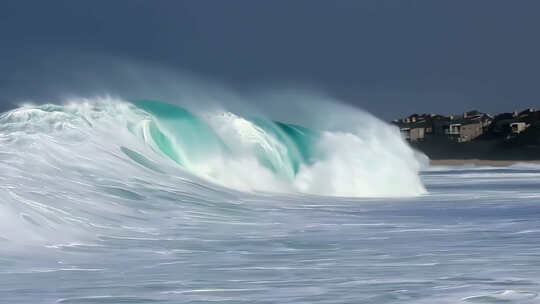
column 187, row 139
column 179, row 134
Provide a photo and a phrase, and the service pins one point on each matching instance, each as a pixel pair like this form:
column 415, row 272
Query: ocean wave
column 105, row 163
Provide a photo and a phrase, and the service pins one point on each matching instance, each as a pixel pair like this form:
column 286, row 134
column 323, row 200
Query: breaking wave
column 95, row 164
column 242, row 153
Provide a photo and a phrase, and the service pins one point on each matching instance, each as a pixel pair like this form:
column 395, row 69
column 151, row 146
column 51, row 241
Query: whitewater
column 106, row 200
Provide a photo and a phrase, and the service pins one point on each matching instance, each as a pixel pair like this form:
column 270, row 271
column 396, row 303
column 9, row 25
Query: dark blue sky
column 389, row 57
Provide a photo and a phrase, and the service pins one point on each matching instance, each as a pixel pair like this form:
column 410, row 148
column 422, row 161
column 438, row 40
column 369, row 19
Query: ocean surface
column 85, row 218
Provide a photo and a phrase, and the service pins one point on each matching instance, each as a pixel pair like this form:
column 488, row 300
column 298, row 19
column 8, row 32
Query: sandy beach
column 478, row 162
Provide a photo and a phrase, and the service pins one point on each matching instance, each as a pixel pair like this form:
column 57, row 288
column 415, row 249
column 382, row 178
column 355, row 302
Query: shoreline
column 479, row 162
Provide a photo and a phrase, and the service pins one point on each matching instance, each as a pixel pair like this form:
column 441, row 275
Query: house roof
column 412, row 125
column 467, row 120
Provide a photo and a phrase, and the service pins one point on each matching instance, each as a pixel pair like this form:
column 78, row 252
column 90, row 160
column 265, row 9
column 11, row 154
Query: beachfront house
column 467, row 127
column 413, row 133
column 464, row 130
column 413, row 128
column 518, row 127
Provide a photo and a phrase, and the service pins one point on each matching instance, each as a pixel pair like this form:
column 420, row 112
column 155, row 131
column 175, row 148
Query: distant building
column 439, row 123
column 509, row 125
column 414, row 127
column 413, row 134
column 465, row 130
column 518, row 127
column 467, row 127
column 501, row 124
column 529, row 116
column 454, row 129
